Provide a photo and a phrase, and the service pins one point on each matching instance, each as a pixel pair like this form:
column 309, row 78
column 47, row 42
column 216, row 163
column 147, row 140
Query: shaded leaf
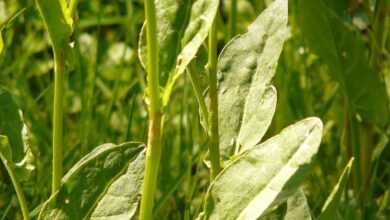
column 89, row 180
column 330, row 209
column 344, row 53
column 18, row 151
column 265, row 175
column 245, row 69
column 11, row 124
column 297, row 207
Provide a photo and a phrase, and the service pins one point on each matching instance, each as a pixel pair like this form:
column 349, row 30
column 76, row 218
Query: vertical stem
column 233, row 19
column 59, row 71
column 213, row 102
column 18, row 189
column 153, row 153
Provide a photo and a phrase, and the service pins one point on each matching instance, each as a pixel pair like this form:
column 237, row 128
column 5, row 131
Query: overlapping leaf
column 330, row 210
column 343, row 52
column 265, row 175
column 297, row 207
column 182, row 27
column 95, row 180
column 245, row 68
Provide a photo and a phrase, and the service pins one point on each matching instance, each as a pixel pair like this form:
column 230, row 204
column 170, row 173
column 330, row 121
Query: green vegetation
column 203, row 109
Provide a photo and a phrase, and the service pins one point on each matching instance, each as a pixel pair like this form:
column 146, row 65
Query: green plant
column 206, row 107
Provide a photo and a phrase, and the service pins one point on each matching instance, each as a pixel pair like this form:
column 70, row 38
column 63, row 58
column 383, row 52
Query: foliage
column 287, row 91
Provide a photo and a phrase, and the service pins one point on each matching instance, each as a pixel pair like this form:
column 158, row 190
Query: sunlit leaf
column 246, row 67
column 265, row 175
column 97, row 176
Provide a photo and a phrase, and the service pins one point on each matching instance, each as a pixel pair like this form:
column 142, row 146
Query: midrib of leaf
column 269, row 192
column 279, row 163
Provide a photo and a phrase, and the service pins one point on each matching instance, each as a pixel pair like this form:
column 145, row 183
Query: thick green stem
column 213, row 103
column 59, row 71
column 153, row 153
column 18, row 188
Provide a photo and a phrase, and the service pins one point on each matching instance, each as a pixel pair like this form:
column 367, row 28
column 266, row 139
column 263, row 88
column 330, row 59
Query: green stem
column 194, row 79
column 233, row 19
column 153, row 153
column 59, row 72
column 213, row 103
column 19, row 192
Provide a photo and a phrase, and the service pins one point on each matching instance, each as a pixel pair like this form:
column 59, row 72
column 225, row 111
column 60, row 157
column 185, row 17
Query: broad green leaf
column 265, row 175
column 57, row 21
column 97, row 176
column 122, row 198
column 330, row 210
column 343, row 51
column 297, row 207
column 182, row 27
column 245, row 69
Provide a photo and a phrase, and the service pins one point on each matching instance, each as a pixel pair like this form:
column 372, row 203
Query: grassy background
column 105, row 103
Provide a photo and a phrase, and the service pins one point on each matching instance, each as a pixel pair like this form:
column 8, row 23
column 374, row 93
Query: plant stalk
column 213, row 102
column 59, row 72
column 153, row 153
column 19, row 192
column 233, row 19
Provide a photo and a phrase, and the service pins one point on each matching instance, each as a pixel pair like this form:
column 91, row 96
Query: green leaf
column 330, row 210
column 297, row 207
column 343, row 51
column 95, row 179
column 245, row 69
column 182, row 27
column 122, row 198
column 57, row 21
column 13, row 127
column 11, row 124
column 265, row 175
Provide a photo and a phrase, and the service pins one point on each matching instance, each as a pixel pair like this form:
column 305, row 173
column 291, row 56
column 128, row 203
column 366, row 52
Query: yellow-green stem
column 213, row 103
column 153, row 153
column 59, row 71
